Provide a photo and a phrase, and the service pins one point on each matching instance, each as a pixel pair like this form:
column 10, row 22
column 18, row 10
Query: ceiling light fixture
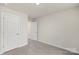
column 37, row 4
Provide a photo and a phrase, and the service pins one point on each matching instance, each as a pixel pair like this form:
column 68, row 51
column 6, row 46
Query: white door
column 34, row 30
column 10, row 30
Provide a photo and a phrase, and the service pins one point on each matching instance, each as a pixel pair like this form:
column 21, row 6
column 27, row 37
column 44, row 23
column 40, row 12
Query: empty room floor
column 38, row 48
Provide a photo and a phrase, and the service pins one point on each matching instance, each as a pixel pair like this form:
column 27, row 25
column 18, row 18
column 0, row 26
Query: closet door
column 10, row 30
column 22, row 32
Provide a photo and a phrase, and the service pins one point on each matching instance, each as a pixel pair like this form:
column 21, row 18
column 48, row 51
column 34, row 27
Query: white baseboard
column 68, row 49
column 1, row 52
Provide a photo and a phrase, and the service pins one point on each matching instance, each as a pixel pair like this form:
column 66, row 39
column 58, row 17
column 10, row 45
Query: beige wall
column 60, row 29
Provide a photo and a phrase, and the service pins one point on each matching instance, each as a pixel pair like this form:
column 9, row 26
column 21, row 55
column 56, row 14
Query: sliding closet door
column 10, row 30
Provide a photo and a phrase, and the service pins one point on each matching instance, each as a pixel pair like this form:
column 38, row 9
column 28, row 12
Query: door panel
column 22, row 36
column 34, row 30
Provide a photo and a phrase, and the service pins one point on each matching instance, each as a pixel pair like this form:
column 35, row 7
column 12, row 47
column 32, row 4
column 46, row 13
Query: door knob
column 17, row 33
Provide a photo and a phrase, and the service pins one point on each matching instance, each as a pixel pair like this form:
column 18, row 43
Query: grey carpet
column 38, row 48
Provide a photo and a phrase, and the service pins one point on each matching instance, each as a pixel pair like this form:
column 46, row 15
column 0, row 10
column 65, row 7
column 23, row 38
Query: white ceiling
column 43, row 9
